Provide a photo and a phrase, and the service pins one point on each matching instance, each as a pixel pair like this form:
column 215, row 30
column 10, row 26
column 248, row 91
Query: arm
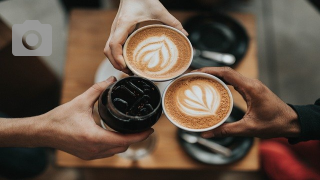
column 21, row 132
column 267, row 115
column 70, row 128
column 130, row 13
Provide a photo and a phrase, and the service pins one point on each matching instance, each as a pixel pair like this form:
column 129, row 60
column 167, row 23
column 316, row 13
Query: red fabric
column 282, row 161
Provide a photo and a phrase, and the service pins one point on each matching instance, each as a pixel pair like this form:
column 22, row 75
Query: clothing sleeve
column 309, row 120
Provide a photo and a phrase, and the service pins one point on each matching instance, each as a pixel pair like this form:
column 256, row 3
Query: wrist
column 41, row 131
column 293, row 126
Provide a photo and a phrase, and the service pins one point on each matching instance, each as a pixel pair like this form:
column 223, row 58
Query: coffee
column 197, row 102
column 130, row 105
column 158, row 52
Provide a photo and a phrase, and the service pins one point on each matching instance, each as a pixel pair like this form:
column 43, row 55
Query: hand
column 267, row 115
column 130, row 13
column 71, row 128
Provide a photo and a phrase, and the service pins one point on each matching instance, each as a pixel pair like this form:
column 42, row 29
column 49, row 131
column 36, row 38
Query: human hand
column 267, row 115
column 130, row 13
column 71, row 128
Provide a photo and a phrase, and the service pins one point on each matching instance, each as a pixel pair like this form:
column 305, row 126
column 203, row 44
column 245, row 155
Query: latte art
column 199, row 100
column 156, row 54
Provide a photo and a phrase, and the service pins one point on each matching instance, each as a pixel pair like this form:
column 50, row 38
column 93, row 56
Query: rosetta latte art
column 156, row 54
column 199, row 99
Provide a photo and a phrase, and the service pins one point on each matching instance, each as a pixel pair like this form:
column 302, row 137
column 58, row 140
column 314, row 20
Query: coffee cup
column 158, row 52
column 197, row 102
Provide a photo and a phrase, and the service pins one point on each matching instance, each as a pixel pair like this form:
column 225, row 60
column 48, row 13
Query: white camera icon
column 38, row 39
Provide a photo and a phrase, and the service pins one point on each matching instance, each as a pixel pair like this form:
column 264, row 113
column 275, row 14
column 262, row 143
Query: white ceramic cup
column 134, row 71
column 198, row 74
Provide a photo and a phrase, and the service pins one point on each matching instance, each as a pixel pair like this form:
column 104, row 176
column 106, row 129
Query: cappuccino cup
column 197, row 102
column 158, row 52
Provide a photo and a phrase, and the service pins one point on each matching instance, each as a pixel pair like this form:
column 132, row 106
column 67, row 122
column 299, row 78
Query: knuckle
column 112, row 44
column 204, row 69
column 176, row 23
column 224, row 132
column 256, row 86
column 97, row 87
column 227, row 69
column 106, row 51
column 123, row 143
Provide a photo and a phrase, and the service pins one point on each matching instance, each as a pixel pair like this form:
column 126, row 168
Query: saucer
column 239, row 146
column 218, row 33
column 106, row 70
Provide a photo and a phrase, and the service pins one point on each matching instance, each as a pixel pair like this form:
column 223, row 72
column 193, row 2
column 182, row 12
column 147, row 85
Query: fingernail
column 111, row 79
column 185, row 32
column 207, row 135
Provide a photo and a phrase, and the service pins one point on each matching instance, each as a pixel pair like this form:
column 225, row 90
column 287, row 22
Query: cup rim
column 203, row 75
column 156, row 25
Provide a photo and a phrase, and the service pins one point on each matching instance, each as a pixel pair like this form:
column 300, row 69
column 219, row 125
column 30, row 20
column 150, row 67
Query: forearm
column 22, row 132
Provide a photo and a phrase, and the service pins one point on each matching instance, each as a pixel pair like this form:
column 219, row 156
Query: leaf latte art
column 199, row 99
column 196, row 101
column 156, row 54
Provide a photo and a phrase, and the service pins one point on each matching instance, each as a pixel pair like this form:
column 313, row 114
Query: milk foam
column 156, row 54
column 198, row 100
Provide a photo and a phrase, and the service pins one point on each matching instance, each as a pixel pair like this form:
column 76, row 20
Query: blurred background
column 288, row 52
column 288, row 37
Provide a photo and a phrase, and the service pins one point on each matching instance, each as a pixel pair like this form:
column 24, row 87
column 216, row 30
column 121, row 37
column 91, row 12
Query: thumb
column 93, row 93
column 170, row 20
column 231, row 77
column 226, row 130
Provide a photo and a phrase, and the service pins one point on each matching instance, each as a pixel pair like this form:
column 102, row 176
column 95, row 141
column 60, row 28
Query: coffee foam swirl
column 156, row 54
column 198, row 100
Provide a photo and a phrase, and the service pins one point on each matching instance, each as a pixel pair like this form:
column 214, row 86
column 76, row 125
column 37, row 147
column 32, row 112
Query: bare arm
column 21, row 132
column 70, row 128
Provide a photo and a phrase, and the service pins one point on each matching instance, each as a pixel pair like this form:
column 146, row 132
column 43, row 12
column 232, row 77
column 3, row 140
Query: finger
column 118, row 150
column 170, row 20
column 107, row 52
column 127, row 71
column 228, row 75
column 110, row 152
column 100, row 156
column 119, row 139
column 93, row 93
column 119, row 37
column 227, row 129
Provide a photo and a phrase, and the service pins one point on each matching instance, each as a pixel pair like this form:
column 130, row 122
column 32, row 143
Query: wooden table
column 88, row 33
